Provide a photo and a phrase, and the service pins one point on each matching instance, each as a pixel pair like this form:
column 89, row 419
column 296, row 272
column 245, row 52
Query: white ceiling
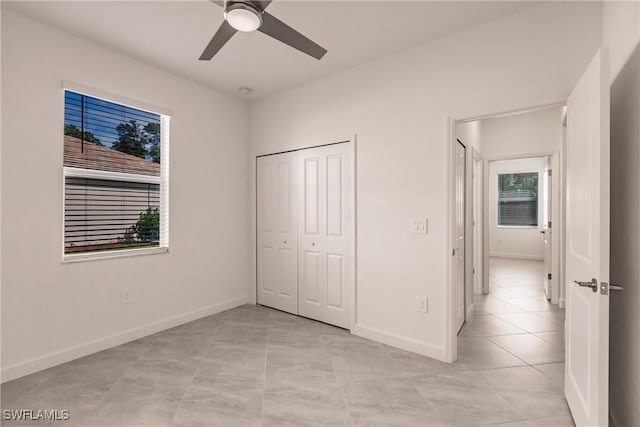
column 172, row 34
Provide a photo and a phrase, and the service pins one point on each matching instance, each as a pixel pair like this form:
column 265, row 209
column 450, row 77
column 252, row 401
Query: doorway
column 511, row 214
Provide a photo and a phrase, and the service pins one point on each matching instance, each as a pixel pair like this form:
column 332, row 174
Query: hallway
column 515, row 335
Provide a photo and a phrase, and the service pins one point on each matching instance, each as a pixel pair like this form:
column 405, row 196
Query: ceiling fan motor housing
column 244, row 16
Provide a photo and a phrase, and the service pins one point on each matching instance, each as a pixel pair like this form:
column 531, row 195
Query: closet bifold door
column 277, row 229
column 325, row 233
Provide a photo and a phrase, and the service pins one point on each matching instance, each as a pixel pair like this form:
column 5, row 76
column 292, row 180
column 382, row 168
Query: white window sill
column 94, row 256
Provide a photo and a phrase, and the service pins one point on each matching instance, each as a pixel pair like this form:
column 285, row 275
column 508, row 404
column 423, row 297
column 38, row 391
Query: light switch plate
column 419, row 226
column 422, row 304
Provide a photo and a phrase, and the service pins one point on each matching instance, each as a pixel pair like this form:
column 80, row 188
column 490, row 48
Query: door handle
column 542, row 232
column 593, row 284
column 616, row 288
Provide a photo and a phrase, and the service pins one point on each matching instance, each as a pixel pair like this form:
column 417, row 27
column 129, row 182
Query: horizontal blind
column 104, row 214
column 518, row 199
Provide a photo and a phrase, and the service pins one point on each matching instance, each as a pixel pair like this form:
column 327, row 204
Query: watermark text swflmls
column 35, row 414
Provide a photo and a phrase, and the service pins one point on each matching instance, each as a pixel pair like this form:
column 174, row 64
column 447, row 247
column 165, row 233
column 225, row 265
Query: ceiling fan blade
column 222, row 36
column 262, row 3
column 277, row 29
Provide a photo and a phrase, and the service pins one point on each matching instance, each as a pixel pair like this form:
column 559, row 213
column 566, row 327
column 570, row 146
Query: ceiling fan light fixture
column 243, row 17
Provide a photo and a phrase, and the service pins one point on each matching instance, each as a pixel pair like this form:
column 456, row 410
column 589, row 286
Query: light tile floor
column 256, row 366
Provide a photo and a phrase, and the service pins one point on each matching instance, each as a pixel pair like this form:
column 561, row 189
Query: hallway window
column 518, row 199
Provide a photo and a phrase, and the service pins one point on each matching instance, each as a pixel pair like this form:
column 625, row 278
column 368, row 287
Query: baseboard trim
column 516, row 256
column 49, row 360
column 401, row 342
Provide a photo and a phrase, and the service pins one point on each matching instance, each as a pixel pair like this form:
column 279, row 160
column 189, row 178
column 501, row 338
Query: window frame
column 520, row 227
column 162, row 180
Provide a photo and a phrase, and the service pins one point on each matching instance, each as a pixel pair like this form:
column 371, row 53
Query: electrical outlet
column 126, row 296
column 422, row 304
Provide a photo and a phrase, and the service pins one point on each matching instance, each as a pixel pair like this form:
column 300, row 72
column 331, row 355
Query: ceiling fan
column 250, row 15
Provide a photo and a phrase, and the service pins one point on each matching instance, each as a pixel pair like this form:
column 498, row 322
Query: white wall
column 400, row 107
column 621, row 33
column 51, row 311
column 517, row 242
column 520, row 135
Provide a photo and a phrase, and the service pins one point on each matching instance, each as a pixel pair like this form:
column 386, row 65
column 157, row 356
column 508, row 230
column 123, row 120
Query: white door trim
column 478, row 221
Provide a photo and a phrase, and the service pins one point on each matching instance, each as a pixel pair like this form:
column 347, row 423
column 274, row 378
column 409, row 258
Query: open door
column 461, row 161
column 587, row 247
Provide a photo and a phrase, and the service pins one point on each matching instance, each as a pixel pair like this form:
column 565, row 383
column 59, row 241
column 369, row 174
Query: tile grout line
column 340, row 387
column 264, row 382
column 99, row 402
column 510, row 352
column 37, row 386
column 498, row 345
column 184, row 393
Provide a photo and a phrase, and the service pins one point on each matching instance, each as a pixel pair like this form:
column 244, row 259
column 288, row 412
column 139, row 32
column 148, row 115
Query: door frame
column 466, row 278
column 451, row 340
column 478, row 222
column 352, row 143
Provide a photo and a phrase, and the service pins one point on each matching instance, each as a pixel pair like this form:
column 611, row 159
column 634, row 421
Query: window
column 518, row 199
column 115, row 178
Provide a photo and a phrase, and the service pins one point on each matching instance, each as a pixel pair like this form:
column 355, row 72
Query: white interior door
column 546, row 229
column 277, row 225
column 326, row 215
column 460, row 243
column 587, row 247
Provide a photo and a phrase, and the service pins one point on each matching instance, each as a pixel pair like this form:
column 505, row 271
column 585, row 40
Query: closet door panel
column 325, row 176
column 338, row 233
column 277, row 230
column 288, row 274
column 310, row 191
column 335, row 282
column 310, row 280
column 335, row 196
